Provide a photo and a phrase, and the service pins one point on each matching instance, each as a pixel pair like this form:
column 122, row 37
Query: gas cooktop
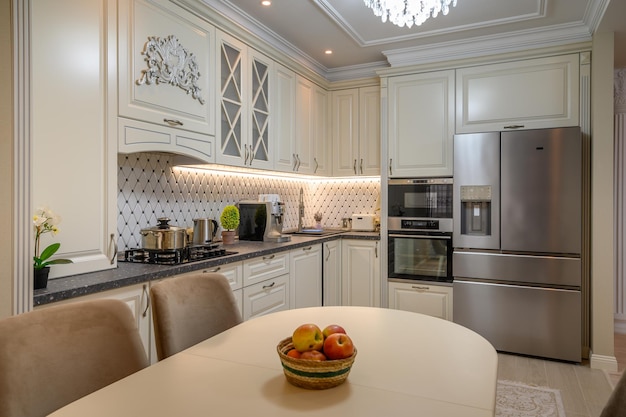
column 176, row 256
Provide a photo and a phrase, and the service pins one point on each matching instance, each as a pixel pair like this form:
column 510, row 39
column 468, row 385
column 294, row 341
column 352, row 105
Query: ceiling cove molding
column 334, row 15
column 355, row 71
column 245, row 27
column 489, row 45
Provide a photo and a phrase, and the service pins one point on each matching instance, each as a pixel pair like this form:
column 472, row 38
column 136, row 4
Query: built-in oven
column 420, row 229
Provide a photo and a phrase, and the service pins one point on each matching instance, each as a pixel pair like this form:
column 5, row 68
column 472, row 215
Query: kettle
column 204, row 231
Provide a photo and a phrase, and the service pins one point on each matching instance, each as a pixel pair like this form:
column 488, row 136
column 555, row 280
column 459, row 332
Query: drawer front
column 266, row 297
column 265, row 267
column 233, row 272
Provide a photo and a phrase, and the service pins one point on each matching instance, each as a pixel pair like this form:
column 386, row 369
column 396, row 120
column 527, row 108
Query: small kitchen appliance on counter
column 363, row 222
column 262, row 220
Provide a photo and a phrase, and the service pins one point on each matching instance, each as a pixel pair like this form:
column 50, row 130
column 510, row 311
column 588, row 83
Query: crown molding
column 489, row 45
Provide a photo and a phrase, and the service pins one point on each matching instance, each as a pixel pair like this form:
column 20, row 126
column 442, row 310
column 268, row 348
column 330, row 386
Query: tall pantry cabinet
column 73, row 109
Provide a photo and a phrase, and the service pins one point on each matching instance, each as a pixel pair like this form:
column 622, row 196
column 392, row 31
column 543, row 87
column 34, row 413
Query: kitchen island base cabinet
column 360, row 273
column 306, row 276
column 432, row 300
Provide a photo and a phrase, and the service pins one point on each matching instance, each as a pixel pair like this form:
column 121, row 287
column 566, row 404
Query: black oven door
column 423, row 256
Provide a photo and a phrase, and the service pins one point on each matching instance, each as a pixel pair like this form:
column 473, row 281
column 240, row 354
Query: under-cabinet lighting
column 254, row 173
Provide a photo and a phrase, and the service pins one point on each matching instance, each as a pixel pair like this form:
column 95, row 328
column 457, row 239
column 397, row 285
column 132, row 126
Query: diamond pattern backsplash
column 149, row 187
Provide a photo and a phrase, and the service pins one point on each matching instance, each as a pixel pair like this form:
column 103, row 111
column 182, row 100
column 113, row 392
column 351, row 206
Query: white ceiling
column 361, row 43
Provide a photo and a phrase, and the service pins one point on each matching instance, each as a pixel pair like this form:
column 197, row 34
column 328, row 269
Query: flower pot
column 228, row 237
column 41, row 277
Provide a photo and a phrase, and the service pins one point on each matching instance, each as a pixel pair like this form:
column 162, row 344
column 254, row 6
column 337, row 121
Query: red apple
column 313, row 355
column 307, row 337
column 332, row 328
column 294, row 354
column 338, row 346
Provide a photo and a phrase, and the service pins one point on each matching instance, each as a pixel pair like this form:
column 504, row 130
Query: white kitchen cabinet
column 305, row 283
column 266, row 297
column 245, row 79
column 73, row 128
column 302, row 135
column 265, row 267
column 137, row 299
column 360, row 273
column 421, row 124
column 432, row 300
column 166, row 70
column 528, row 94
column 331, row 253
column 356, row 131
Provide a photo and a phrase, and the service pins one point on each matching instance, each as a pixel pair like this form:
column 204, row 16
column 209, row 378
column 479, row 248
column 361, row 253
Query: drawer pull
column 514, row 127
column 269, row 285
column 212, row 270
column 308, row 248
column 266, row 258
column 146, row 293
column 417, row 287
column 173, row 122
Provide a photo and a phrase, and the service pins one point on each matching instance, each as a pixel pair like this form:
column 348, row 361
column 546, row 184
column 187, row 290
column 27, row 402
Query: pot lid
column 163, row 225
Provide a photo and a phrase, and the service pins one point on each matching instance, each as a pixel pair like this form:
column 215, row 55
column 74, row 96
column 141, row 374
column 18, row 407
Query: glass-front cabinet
column 244, row 79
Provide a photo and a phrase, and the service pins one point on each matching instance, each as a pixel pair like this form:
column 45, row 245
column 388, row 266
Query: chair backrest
column 56, row 355
column 189, row 309
column 616, row 405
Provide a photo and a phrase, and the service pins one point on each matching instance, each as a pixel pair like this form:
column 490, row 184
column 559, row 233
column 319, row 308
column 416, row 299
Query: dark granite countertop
column 128, row 273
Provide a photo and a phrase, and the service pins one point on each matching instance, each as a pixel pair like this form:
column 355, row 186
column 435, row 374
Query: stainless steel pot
column 204, row 231
column 163, row 236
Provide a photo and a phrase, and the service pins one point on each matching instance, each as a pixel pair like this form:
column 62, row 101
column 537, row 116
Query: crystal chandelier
column 408, row 12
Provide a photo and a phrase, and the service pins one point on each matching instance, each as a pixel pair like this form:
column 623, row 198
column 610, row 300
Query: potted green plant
column 229, row 220
column 45, row 221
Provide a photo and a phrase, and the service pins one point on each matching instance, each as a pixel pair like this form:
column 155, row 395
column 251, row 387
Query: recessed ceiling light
column 266, row 3
column 328, row 52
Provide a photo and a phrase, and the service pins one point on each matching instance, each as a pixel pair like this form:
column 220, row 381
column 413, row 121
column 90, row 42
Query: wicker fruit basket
column 313, row 374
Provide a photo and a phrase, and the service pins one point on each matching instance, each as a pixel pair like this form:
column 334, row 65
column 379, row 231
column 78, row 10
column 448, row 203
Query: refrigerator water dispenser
column 476, row 210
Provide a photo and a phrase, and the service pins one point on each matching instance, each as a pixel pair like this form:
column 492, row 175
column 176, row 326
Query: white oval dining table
column 408, row 364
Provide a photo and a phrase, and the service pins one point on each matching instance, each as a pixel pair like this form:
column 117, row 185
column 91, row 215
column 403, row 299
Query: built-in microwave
column 420, row 198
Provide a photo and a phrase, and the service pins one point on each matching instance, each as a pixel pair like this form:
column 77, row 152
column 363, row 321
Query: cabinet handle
column 316, row 165
column 354, row 167
column 173, row 122
column 376, row 250
column 417, row 287
column 265, row 258
column 295, row 163
column 361, row 166
column 269, row 285
column 251, row 155
column 327, row 253
column 390, row 170
column 114, row 242
column 298, row 159
column 147, row 294
column 514, row 127
column 245, row 154
column 212, row 270
column 308, row 248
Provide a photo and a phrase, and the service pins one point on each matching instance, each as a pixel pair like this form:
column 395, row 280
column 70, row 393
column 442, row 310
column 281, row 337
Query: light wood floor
column 584, row 390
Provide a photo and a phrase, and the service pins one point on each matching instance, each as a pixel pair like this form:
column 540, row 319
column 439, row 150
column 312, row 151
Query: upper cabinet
column 166, row 80
column 244, row 79
column 301, row 110
column 74, row 147
column 529, row 94
column 356, row 131
column 421, row 124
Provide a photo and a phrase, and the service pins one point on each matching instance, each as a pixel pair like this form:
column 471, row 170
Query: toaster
column 364, row 222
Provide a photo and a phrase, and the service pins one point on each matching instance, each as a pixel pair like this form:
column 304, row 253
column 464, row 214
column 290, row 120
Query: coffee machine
column 262, row 220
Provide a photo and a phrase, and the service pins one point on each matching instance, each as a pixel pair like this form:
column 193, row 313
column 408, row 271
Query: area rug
column 514, row 399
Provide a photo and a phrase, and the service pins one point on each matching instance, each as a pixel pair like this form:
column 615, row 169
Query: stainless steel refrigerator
column 517, row 240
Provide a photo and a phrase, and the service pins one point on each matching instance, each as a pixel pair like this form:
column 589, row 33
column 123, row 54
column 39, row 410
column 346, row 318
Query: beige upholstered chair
column 616, row 405
column 53, row 356
column 189, row 309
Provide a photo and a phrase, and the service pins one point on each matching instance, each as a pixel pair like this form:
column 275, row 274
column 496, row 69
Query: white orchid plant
column 45, row 221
